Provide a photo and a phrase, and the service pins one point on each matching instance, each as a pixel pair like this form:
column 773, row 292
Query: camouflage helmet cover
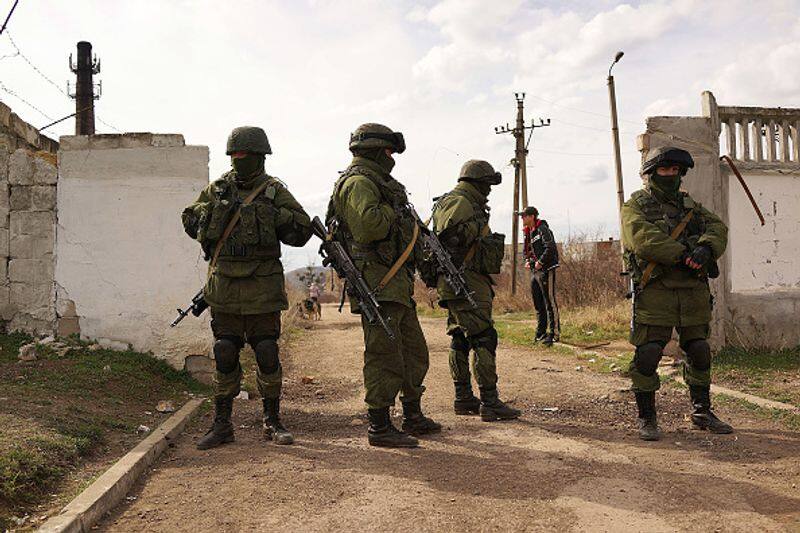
column 248, row 139
column 478, row 170
column 667, row 156
column 373, row 135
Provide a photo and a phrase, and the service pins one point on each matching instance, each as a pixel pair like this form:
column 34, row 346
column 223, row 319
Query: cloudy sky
column 443, row 72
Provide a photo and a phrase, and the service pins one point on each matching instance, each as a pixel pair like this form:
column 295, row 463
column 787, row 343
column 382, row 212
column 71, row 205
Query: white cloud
column 442, row 71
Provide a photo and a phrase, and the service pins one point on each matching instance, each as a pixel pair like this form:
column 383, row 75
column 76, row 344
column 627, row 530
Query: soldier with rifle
column 240, row 220
column 375, row 238
column 461, row 222
column 672, row 244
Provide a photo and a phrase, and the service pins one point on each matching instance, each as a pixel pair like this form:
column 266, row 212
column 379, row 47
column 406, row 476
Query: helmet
column 248, row 139
column 373, row 135
column 477, row 170
column 667, row 156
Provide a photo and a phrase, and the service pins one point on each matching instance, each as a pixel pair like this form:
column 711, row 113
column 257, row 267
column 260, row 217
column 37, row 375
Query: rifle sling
column 232, row 224
column 648, row 271
column 400, row 261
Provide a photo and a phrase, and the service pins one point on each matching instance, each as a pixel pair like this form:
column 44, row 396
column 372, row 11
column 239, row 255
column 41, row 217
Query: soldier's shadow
column 473, row 461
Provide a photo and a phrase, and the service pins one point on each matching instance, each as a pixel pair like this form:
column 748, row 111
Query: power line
column 605, row 130
column 107, row 124
column 581, row 110
column 9, row 16
column 578, row 154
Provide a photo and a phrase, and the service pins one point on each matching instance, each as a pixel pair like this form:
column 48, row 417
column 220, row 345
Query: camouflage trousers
column 645, row 333
column 394, row 366
column 472, row 329
column 250, row 329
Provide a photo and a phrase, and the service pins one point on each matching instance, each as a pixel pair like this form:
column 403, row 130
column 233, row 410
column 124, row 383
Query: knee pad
column 226, row 354
column 699, row 354
column 458, row 342
column 647, row 357
column 486, row 339
column 267, row 355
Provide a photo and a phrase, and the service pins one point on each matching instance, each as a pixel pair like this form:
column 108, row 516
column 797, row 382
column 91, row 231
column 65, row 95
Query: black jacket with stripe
column 540, row 245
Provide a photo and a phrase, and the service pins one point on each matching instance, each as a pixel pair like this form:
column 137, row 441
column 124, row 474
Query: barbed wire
column 23, row 100
column 34, row 67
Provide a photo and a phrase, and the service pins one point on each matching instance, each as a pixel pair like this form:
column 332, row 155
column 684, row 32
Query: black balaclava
column 248, row 167
column 377, row 155
column 666, row 185
column 483, row 187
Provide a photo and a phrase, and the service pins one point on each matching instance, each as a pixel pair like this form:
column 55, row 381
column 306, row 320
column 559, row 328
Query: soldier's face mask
column 248, row 165
column 668, row 184
column 385, row 160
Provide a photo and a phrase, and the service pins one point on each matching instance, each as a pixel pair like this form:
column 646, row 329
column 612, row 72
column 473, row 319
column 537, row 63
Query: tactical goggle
column 494, row 179
column 491, row 179
column 395, row 139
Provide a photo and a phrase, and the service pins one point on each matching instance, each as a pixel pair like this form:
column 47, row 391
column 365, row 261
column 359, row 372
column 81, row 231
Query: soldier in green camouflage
column 670, row 277
column 245, row 287
column 367, row 212
column 461, row 221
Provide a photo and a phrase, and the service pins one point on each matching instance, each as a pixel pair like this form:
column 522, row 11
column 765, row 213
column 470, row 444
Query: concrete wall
column 764, row 258
column 124, row 263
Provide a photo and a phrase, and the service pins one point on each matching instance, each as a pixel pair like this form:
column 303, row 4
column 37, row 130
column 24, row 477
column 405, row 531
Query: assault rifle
column 197, row 307
column 453, row 276
column 334, row 255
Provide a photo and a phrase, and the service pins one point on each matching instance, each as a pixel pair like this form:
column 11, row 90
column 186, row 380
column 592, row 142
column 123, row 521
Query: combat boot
column 382, row 433
column 415, row 423
column 465, row 403
column 648, row 423
column 703, row 417
column 221, row 431
column 493, row 409
column 273, row 429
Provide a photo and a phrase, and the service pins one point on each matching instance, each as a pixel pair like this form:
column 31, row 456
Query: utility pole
column 612, row 99
column 86, row 67
column 520, row 176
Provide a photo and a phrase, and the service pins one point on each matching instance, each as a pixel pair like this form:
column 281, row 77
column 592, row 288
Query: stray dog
column 310, row 309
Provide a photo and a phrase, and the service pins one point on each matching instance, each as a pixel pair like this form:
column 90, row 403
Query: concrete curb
column 750, row 398
column 716, row 389
column 110, row 488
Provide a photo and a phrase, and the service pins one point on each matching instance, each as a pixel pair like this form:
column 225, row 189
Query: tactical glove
column 701, row 255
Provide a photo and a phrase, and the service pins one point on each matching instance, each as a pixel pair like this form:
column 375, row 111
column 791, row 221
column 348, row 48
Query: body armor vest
column 666, row 216
column 254, row 237
column 386, row 250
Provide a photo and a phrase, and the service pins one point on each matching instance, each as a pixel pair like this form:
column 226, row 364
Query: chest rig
column 667, row 215
column 254, row 237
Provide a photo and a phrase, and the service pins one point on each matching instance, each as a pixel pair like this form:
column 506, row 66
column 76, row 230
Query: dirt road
column 579, row 468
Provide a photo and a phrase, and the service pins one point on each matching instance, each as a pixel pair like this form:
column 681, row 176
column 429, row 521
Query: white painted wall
column 765, row 258
column 122, row 256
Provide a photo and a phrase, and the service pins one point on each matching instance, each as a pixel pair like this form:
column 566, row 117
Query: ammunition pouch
column 488, row 257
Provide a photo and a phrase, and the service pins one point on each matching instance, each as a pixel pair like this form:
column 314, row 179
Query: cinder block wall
column 27, row 240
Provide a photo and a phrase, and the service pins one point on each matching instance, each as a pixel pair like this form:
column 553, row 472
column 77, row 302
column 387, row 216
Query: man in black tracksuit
column 541, row 256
